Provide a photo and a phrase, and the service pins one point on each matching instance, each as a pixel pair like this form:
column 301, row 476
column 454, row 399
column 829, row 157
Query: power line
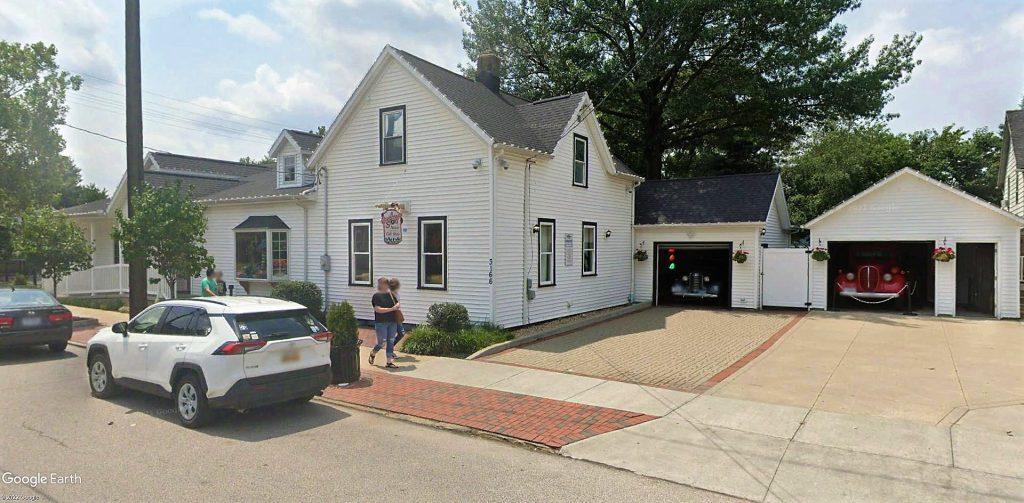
column 101, row 135
column 183, row 101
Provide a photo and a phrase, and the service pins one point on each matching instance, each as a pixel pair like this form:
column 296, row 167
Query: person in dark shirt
column 384, row 308
column 394, row 285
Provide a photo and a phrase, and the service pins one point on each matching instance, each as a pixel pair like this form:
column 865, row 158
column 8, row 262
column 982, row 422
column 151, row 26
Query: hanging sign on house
column 568, row 250
column 391, row 219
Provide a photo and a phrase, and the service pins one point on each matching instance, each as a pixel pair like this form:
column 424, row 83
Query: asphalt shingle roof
column 96, row 206
column 201, row 185
column 714, row 199
column 256, row 186
column 506, row 118
column 306, row 141
column 263, row 222
column 178, row 162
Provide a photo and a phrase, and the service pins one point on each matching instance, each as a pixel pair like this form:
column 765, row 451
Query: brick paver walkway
column 552, row 423
column 666, row 347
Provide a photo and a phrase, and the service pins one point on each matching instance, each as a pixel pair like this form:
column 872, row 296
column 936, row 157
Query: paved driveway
column 668, row 347
column 916, row 368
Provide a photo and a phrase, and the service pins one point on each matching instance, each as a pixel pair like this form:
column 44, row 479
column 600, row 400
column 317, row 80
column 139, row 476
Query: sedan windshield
column 25, row 298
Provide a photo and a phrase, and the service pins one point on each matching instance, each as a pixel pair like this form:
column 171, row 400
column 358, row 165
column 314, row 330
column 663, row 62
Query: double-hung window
column 545, row 252
column 392, row 135
column 580, row 160
column 360, row 252
column 589, row 243
column 433, row 246
column 288, row 168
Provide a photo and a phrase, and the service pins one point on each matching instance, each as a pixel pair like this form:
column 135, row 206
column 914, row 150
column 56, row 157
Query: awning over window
column 262, row 222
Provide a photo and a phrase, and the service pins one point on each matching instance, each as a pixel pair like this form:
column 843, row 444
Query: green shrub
column 431, row 341
column 341, row 321
column 448, row 316
column 20, row 280
column 112, row 304
column 301, row 292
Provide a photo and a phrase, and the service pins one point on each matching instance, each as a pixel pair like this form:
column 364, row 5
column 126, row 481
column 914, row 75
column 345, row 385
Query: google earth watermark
column 39, row 479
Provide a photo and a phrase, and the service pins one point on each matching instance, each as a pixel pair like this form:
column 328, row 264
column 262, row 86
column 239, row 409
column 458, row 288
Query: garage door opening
column 878, row 275
column 693, row 274
column 976, row 278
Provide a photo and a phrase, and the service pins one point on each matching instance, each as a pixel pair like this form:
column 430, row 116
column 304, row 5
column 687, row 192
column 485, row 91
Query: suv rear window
column 277, row 325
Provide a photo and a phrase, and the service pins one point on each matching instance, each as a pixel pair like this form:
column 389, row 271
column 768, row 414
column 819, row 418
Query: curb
column 455, row 428
column 76, row 344
column 80, row 323
column 559, row 330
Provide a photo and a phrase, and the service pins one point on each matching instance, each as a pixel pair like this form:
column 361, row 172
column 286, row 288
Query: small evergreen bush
column 448, row 316
column 341, row 321
column 301, row 292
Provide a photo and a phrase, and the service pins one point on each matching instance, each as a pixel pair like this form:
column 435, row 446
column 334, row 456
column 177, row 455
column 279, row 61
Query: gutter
column 494, row 234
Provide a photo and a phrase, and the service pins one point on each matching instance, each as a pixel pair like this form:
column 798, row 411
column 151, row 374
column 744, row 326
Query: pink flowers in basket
column 943, row 254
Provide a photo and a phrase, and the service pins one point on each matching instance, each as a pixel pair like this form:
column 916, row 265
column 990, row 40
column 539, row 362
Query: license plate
column 31, row 322
column 291, row 356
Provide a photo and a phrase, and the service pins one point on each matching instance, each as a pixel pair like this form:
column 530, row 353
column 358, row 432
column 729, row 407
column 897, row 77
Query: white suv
column 217, row 352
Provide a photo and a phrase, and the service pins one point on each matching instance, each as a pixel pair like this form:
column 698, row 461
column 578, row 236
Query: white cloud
column 77, row 27
column 269, row 95
column 1014, row 26
column 246, row 25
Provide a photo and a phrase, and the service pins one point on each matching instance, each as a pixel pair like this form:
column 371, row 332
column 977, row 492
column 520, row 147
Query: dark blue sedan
column 31, row 317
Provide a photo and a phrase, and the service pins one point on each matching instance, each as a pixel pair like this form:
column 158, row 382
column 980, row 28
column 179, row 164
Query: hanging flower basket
column 640, row 255
column 820, row 254
column 740, row 256
column 943, row 254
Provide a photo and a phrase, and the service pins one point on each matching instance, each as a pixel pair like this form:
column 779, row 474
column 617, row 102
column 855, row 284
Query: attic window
column 288, row 168
column 392, row 135
column 580, row 160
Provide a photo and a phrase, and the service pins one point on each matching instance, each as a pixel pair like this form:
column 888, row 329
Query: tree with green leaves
column 50, row 243
column 32, row 93
column 835, row 163
column 692, row 86
column 167, row 231
column 80, row 194
column 265, row 161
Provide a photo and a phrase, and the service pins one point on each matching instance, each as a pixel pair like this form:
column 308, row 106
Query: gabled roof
column 262, row 222
column 504, row 117
column 1013, row 137
column 706, row 200
column 920, row 176
column 302, row 140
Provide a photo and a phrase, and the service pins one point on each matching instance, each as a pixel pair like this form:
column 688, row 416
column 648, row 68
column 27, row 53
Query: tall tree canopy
column 834, row 163
column 32, row 93
column 692, row 86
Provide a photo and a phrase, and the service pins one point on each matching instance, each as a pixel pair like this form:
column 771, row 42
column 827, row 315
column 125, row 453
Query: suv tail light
column 239, row 347
column 6, row 322
column 59, row 317
column 323, row 336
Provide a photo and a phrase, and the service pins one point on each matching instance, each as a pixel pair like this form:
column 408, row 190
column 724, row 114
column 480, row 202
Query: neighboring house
column 697, row 224
column 256, row 228
column 1011, row 165
column 515, row 209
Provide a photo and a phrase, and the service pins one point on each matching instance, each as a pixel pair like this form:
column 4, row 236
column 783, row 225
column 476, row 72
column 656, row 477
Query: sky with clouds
column 221, row 78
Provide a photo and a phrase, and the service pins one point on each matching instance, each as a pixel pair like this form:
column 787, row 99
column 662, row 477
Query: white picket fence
column 105, row 280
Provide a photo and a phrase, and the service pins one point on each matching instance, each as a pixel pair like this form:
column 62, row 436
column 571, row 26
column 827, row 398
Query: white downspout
column 527, row 241
column 632, row 241
column 305, row 241
column 322, row 182
column 494, row 234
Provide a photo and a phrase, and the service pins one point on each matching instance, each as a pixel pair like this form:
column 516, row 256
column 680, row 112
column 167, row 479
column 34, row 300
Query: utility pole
column 137, row 282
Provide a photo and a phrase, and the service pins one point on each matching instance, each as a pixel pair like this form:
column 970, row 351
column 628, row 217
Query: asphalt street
column 132, row 449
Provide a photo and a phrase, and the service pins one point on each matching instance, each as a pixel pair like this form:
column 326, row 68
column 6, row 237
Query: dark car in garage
column 31, row 317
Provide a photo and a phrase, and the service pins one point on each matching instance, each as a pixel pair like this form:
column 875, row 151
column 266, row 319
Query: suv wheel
column 190, row 399
column 100, row 379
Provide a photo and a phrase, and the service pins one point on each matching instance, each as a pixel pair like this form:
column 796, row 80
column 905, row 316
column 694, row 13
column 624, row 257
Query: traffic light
column 671, row 259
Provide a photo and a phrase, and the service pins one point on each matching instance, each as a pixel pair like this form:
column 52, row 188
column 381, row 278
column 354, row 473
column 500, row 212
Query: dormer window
column 392, row 135
column 288, row 168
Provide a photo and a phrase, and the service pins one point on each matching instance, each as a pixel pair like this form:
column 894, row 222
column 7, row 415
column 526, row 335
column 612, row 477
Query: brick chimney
column 488, row 71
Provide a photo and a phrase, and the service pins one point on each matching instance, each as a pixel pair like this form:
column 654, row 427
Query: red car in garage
column 873, row 275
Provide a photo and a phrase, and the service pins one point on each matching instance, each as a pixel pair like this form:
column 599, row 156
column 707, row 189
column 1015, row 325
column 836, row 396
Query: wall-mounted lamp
column 503, row 163
column 608, row 233
column 536, row 228
column 477, row 163
column 763, row 231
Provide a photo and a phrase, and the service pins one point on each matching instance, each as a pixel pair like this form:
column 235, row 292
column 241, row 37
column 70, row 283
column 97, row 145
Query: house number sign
column 391, row 219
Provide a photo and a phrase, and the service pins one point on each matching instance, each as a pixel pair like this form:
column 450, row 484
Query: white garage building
column 910, row 214
column 695, row 225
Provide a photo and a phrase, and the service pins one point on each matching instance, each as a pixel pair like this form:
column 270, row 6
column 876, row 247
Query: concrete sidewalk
column 762, row 451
